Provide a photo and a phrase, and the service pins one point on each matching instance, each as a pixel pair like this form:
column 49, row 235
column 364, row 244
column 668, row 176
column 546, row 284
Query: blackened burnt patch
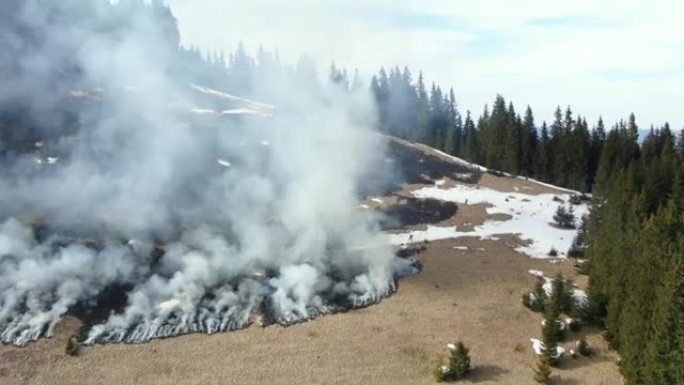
column 412, row 211
column 405, row 164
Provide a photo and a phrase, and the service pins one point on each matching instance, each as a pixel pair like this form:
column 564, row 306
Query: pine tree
column 422, row 110
column 648, row 336
column 551, row 333
column 583, row 347
column 471, row 148
column 544, row 168
column 71, row 348
column 555, row 158
column 580, row 142
column 579, row 243
column 381, row 91
column 528, row 154
column 561, row 298
column 455, row 126
column 495, row 136
column 658, row 359
column 437, row 119
column 459, row 365
column 598, row 137
column 564, row 218
column 513, row 133
column 676, row 360
column 536, row 300
column 542, row 373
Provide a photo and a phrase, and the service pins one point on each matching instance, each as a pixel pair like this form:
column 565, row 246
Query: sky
column 604, row 57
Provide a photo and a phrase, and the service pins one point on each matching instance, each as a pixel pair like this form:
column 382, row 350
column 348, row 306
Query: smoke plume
column 121, row 171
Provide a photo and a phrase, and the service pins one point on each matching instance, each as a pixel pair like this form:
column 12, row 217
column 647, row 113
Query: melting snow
column 580, row 296
column 565, row 190
column 460, row 161
column 531, row 218
column 537, row 273
column 538, row 347
column 464, row 175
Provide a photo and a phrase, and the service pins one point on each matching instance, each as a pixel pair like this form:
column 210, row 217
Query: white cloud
column 609, row 57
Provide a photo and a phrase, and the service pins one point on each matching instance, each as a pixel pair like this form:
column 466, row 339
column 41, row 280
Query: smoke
column 120, row 175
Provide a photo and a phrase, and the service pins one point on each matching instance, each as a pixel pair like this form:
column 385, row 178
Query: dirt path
column 473, row 295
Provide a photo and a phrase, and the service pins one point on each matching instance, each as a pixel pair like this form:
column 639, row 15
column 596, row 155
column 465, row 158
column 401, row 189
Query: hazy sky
column 601, row 57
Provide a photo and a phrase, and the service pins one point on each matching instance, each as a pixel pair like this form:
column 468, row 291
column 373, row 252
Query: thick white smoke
column 203, row 218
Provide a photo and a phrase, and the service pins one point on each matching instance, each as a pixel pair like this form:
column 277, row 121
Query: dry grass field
column 471, row 295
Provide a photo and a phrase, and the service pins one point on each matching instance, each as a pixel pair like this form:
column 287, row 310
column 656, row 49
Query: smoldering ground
column 117, row 171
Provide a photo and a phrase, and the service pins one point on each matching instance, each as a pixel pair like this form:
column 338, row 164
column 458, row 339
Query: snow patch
column 460, row 161
column 579, row 296
column 537, row 273
column 561, row 189
column 539, row 348
column 531, row 218
column 464, row 175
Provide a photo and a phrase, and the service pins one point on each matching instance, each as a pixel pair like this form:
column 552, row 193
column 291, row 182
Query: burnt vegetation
column 405, row 164
column 412, row 211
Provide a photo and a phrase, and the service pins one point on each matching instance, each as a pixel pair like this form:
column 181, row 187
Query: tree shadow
column 597, row 357
column 484, row 373
column 600, row 354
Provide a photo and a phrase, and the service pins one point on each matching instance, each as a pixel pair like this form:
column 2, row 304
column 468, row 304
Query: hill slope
column 469, row 289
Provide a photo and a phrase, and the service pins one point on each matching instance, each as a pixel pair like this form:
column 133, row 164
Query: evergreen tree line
column 635, row 253
column 565, row 153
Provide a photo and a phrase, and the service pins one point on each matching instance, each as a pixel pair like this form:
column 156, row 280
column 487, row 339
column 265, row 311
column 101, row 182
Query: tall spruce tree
column 423, row 110
column 544, row 165
column 529, row 143
column 471, row 147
